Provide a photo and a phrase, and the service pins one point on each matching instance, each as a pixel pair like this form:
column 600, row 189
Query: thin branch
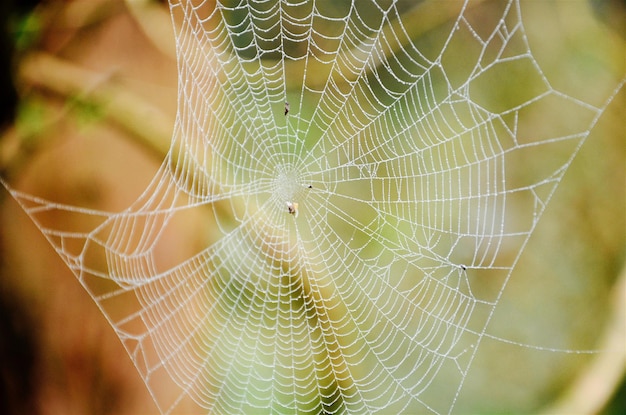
column 148, row 125
column 595, row 386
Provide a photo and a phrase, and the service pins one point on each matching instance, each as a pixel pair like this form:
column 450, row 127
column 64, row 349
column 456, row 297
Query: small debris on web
column 292, row 208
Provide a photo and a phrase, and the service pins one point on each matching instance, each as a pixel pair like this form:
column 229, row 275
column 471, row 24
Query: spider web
column 360, row 186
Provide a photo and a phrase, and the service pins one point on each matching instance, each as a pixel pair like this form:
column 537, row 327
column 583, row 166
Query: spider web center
column 288, row 186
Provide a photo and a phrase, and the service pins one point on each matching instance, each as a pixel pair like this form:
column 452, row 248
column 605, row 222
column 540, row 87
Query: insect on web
column 359, row 184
